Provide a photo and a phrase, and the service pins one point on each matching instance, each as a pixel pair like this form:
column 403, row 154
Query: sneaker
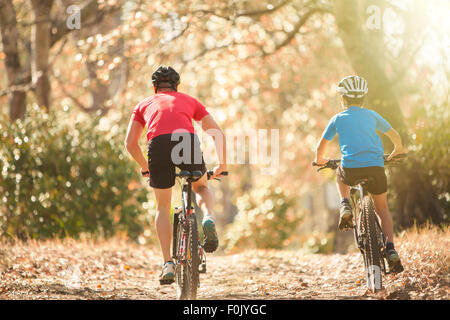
column 345, row 217
column 202, row 268
column 211, row 240
column 168, row 273
column 395, row 265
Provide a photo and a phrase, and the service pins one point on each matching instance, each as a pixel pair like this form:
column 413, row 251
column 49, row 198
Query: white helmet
column 353, row 87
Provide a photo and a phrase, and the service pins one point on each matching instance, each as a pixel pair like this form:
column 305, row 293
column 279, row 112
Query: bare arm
column 320, row 151
column 397, row 141
column 134, row 132
column 210, row 126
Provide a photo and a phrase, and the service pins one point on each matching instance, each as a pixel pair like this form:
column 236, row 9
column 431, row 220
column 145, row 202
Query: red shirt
column 168, row 111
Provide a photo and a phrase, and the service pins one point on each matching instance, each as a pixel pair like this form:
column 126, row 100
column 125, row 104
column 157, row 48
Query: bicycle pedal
column 348, row 227
column 177, row 210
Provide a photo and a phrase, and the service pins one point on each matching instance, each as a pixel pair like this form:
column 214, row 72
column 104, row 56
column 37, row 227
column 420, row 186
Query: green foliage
column 266, row 219
column 420, row 184
column 319, row 242
column 432, row 138
column 62, row 180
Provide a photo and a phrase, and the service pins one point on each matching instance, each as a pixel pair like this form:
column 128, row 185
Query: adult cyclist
column 362, row 157
column 167, row 118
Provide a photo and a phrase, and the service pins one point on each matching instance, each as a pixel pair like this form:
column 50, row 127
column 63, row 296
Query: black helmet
column 165, row 75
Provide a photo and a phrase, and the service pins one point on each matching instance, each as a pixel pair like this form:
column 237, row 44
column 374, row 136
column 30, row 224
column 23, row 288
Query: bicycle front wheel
column 372, row 245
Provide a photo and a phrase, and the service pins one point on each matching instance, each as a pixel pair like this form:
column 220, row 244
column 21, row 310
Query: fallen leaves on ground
column 115, row 269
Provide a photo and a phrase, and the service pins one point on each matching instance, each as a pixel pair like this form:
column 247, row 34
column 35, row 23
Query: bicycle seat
column 362, row 181
column 196, row 175
column 192, row 176
column 184, row 174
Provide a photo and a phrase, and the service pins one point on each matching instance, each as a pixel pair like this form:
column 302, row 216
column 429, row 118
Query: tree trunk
column 8, row 25
column 40, row 41
column 365, row 52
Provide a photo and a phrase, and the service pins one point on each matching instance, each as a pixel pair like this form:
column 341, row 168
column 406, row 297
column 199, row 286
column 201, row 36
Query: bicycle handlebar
column 331, row 164
column 198, row 174
column 334, row 163
column 209, row 173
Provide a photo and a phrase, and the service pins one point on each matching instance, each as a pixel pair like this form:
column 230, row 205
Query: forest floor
column 115, row 269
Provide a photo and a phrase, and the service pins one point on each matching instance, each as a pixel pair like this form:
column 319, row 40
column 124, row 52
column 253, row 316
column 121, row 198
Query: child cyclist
column 362, row 157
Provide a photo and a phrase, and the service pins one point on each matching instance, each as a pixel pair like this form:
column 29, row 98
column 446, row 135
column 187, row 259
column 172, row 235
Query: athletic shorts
column 168, row 151
column 377, row 183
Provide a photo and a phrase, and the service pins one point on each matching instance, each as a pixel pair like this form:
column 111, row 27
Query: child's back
column 358, row 140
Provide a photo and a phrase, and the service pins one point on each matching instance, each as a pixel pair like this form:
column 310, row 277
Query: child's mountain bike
column 369, row 237
column 187, row 251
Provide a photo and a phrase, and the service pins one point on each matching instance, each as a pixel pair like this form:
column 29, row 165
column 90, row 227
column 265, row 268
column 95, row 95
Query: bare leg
column 345, row 213
column 162, row 221
column 381, row 207
column 343, row 189
column 205, row 198
column 206, row 203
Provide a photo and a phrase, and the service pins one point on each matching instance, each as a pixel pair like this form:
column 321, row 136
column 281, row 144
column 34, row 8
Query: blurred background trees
column 254, row 64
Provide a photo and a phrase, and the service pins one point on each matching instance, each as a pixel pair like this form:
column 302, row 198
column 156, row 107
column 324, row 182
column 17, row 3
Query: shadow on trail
column 59, row 291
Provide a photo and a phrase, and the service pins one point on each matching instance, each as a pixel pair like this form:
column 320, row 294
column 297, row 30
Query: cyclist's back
column 359, row 143
column 168, row 111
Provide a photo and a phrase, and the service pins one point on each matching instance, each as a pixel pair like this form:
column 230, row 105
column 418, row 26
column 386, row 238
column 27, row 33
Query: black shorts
column 167, row 151
column 377, row 183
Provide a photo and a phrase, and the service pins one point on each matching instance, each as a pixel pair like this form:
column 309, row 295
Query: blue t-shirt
column 358, row 140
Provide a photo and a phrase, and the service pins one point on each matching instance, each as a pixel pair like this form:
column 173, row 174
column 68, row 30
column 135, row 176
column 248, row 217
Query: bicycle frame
column 186, row 211
column 187, row 199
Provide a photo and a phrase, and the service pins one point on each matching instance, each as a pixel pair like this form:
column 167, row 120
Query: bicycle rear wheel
column 193, row 258
column 372, row 245
column 187, row 273
column 180, row 272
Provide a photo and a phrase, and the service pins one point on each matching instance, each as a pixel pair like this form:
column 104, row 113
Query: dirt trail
column 119, row 270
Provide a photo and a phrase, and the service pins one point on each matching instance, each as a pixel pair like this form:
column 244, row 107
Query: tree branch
column 89, row 13
column 217, row 48
column 234, row 14
column 20, row 87
column 77, row 102
column 260, row 12
column 298, row 25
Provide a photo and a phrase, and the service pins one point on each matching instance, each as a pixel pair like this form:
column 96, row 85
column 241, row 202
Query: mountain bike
column 369, row 237
column 187, row 251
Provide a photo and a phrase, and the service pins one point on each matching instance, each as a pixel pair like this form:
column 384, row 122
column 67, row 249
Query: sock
column 390, row 246
column 207, row 217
